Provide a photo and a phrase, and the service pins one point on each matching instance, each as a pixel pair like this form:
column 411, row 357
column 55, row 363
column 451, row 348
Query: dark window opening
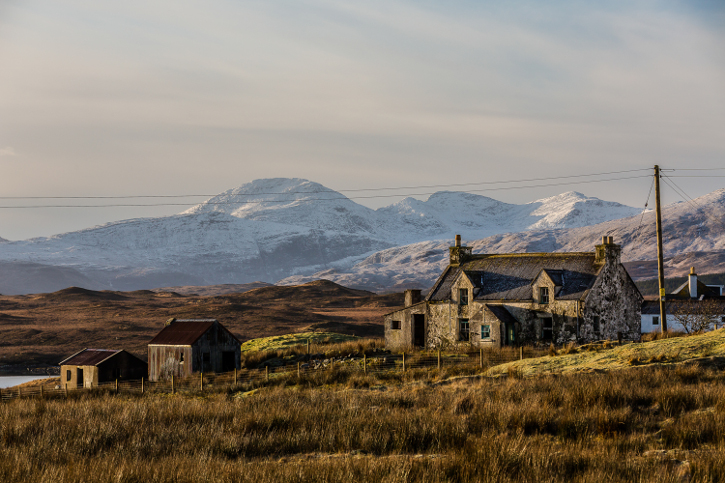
column 463, row 296
column 543, row 295
column 181, row 357
column 206, row 357
column 79, row 377
column 463, row 330
column 547, row 328
column 595, row 324
column 67, row 375
column 395, row 324
column 655, row 320
column 485, row 331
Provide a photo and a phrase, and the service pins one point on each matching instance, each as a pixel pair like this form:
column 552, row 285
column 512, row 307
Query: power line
column 644, row 210
column 453, row 185
column 128, row 205
column 689, row 200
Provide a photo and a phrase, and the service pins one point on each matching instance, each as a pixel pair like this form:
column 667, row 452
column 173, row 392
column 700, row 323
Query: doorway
column 229, row 362
column 419, row 330
column 79, row 377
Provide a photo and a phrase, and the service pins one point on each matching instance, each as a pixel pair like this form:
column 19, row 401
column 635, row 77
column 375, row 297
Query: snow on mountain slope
column 692, row 232
column 273, row 229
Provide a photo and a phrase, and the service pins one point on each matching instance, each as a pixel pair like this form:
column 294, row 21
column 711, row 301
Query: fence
column 376, row 365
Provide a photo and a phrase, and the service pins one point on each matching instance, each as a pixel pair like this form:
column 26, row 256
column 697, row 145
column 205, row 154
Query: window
column 395, row 324
column 595, row 324
column 463, row 296
column 485, row 331
column 655, row 320
column 547, row 328
column 543, row 295
column 463, row 330
column 206, row 357
column 67, row 375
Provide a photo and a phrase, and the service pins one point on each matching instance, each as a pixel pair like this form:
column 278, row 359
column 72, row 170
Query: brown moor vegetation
column 641, row 424
column 45, row 328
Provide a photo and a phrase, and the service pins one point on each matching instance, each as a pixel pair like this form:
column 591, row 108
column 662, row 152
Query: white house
column 692, row 290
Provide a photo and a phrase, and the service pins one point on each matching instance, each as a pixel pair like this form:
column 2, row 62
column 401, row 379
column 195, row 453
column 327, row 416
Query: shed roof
column 89, row 357
column 182, row 332
column 509, row 276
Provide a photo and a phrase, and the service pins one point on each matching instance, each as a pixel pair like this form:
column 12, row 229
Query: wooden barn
column 91, row 367
column 186, row 346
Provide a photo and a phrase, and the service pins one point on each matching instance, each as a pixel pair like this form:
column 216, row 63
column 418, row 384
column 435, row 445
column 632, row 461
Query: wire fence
column 363, row 365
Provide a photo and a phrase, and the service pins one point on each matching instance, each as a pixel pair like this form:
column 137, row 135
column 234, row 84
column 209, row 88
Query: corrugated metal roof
column 89, row 357
column 509, row 276
column 182, row 332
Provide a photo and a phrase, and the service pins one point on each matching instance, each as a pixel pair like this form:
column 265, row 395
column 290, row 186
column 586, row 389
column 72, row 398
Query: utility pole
column 660, row 253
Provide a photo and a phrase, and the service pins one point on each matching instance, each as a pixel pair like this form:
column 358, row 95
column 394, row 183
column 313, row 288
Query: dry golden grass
column 645, row 425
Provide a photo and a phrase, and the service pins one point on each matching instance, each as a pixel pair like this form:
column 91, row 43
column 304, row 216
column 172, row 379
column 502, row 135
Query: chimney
column 608, row 251
column 412, row 297
column 170, row 321
column 459, row 253
column 692, row 280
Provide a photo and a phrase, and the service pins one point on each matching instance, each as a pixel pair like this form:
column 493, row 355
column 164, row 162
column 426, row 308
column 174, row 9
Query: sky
column 191, row 97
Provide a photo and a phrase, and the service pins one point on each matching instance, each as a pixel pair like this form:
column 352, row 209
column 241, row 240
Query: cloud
column 7, row 151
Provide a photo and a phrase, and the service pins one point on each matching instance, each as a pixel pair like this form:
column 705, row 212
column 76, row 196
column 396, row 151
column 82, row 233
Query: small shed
column 186, row 346
column 91, row 367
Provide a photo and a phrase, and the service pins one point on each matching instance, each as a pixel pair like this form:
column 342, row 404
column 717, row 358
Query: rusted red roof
column 182, row 332
column 89, row 357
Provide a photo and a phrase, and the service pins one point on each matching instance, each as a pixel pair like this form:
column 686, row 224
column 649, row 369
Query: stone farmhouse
column 693, row 291
column 499, row 300
column 186, row 346
column 91, row 367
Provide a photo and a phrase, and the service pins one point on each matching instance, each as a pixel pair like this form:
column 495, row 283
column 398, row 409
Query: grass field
column 707, row 349
column 291, row 340
column 653, row 421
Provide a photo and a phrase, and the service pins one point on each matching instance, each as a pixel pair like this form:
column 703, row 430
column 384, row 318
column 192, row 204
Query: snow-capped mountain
column 694, row 235
column 273, row 229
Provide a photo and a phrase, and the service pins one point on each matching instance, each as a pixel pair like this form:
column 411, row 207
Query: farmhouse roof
column 182, row 332
column 509, row 276
column 89, row 357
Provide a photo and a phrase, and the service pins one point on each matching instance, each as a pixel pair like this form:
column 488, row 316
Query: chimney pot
column 604, row 240
column 692, row 282
column 458, row 240
column 610, row 240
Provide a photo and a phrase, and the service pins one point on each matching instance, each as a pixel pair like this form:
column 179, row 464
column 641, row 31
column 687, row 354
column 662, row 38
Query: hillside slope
column 708, row 349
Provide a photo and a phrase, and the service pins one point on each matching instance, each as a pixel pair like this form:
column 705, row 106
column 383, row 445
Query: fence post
column 116, row 386
column 522, row 353
column 173, row 389
column 403, row 361
column 142, row 388
column 20, row 391
column 1, row 395
column 42, row 393
column 65, row 389
column 235, row 377
column 299, row 370
column 308, row 347
column 480, row 356
column 439, row 358
column 365, row 364
column 266, row 372
column 201, row 381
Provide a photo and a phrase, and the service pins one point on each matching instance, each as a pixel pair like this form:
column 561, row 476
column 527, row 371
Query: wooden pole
column 42, row 393
column 266, row 372
column 403, row 361
column 439, row 358
column 299, row 370
column 142, row 388
column 365, row 363
column 521, row 353
column 173, row 389
column 235, row 376
column 20, row 391
column 308, row 347
column 660, row 252
column 65, row 389
column 1, row 395
column 116, row 386
column 201, row 381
